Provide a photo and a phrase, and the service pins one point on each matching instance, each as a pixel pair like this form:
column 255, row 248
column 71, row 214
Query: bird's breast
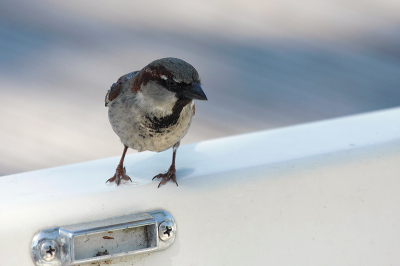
column 141, row 131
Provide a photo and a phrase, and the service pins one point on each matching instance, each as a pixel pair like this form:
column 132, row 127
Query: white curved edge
column 318, row 193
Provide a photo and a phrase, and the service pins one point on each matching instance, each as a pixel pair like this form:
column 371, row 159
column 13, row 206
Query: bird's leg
column 171, row 174
column 120, row 173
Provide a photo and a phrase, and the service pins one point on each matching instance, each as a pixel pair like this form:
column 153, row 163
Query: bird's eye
column 170, row 83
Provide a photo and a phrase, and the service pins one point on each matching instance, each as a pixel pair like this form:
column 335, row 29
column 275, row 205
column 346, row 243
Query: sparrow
column 152, row 109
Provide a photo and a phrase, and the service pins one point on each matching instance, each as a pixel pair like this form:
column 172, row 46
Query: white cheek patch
column 163, row 77
column 139, row 97
column 155, row 100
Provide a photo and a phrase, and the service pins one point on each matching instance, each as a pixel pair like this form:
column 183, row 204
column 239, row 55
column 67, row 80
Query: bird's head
column 166, row 81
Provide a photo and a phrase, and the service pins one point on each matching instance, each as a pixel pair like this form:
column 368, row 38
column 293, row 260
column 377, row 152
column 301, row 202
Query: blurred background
column 264, row 64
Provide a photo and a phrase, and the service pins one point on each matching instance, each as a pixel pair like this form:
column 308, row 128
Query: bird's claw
column 170, row 175
column 120, row 173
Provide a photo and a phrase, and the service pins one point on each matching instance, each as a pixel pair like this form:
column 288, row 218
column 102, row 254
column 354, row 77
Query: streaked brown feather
column 115, row 89
column 149, row 73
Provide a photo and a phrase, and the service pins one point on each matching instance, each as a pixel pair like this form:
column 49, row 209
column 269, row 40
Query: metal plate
column 104, row 239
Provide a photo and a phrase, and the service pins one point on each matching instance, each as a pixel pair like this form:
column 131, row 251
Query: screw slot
column 168, row 231
column 51, row 250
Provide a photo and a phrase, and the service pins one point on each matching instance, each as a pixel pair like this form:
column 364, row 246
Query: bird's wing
column 115, row 89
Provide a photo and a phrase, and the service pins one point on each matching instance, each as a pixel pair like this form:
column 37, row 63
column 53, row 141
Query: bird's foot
column 170, row 175
column 120, row 173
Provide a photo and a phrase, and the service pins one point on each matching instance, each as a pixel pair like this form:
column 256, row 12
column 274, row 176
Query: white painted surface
column 324, row 193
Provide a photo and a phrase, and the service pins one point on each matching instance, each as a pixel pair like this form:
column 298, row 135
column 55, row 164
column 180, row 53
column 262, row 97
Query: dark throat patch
column 159, row 124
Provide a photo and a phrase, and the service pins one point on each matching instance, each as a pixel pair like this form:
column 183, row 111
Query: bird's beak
column 195, row 92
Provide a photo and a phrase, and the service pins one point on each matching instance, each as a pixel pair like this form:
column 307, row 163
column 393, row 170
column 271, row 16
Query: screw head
column 48, row 250
column 166, row 230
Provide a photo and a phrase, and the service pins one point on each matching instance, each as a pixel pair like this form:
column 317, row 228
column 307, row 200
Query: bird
column 152, row 109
